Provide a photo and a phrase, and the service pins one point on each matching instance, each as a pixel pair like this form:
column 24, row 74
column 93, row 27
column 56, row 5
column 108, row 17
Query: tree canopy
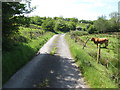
column 12, row 18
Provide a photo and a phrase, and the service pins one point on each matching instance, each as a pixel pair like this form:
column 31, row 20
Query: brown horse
column 100, row 41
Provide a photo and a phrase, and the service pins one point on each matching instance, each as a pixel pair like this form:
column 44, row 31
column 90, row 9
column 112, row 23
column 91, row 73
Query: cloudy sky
column 81, row 9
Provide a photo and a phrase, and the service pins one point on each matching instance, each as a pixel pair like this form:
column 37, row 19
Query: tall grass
column 21, row 54
column 96, row 75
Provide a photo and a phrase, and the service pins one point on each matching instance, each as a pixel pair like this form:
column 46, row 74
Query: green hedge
column 21, row 54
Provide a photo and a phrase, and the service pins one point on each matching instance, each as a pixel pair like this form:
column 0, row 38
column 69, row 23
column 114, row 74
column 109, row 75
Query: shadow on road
column 56, row 71
column 46, row 71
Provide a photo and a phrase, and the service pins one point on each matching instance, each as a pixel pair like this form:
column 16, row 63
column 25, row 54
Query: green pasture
column 97, row 75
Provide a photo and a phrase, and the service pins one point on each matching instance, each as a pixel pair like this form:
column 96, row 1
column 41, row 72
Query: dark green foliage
column 91, row 29
column 101, row 25
column 87, row 26
column 64, row 26
column 33, row 26
column 13, row 60
column 60, row 25
column 72, row 25
column 11, row 19
column 84, row 29
column 21, row 53
column 74, row 20
column 78, row 28
column 37, row 20
column 56, row 18
column 67, row 19
column 22, row 21
column 48, row 25
column 114, row 25
column 86, row 21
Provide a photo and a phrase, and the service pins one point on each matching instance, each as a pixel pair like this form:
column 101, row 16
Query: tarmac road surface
column 49, row 71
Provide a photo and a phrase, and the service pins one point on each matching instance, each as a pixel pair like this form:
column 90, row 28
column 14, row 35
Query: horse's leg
column 97, row 45
column 106, row 44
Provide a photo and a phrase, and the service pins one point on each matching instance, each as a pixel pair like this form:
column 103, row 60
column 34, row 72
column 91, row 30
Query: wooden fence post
column 85, row 43
column 98, row 53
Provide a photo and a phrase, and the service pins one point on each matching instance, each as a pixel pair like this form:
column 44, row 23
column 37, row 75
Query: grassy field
column 27, row 44
column 97, row 75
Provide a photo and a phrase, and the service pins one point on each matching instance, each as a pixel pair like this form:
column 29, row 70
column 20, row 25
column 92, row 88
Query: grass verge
column 21, row 54
column 96, row 75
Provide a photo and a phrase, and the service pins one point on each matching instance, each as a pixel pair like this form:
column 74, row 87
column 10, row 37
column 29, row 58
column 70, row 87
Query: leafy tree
column 48, row 25
column 74, row 20
column 71, row 25
column 11, row 20
column 91, row 29
column 86, row 21
column 101, row 24
column 60, row 25
column 113, row 26
column 67, row 19
column 114, row 23
column 114, row 15
column 36, row 20
column 22, row 21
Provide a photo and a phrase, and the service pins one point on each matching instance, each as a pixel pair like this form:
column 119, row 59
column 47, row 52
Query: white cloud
column 82, row 9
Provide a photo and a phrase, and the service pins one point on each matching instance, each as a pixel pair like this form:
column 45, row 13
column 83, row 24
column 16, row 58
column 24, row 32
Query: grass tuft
column 53, row 52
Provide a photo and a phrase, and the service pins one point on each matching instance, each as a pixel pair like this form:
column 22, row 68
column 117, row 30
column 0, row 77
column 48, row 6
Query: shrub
column 48, row 25
column 91, row 29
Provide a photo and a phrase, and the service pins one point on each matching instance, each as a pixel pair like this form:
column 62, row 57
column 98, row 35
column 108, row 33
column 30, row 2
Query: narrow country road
column 49, row 71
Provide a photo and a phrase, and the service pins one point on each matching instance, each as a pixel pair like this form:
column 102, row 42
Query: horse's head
column 92, row 39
